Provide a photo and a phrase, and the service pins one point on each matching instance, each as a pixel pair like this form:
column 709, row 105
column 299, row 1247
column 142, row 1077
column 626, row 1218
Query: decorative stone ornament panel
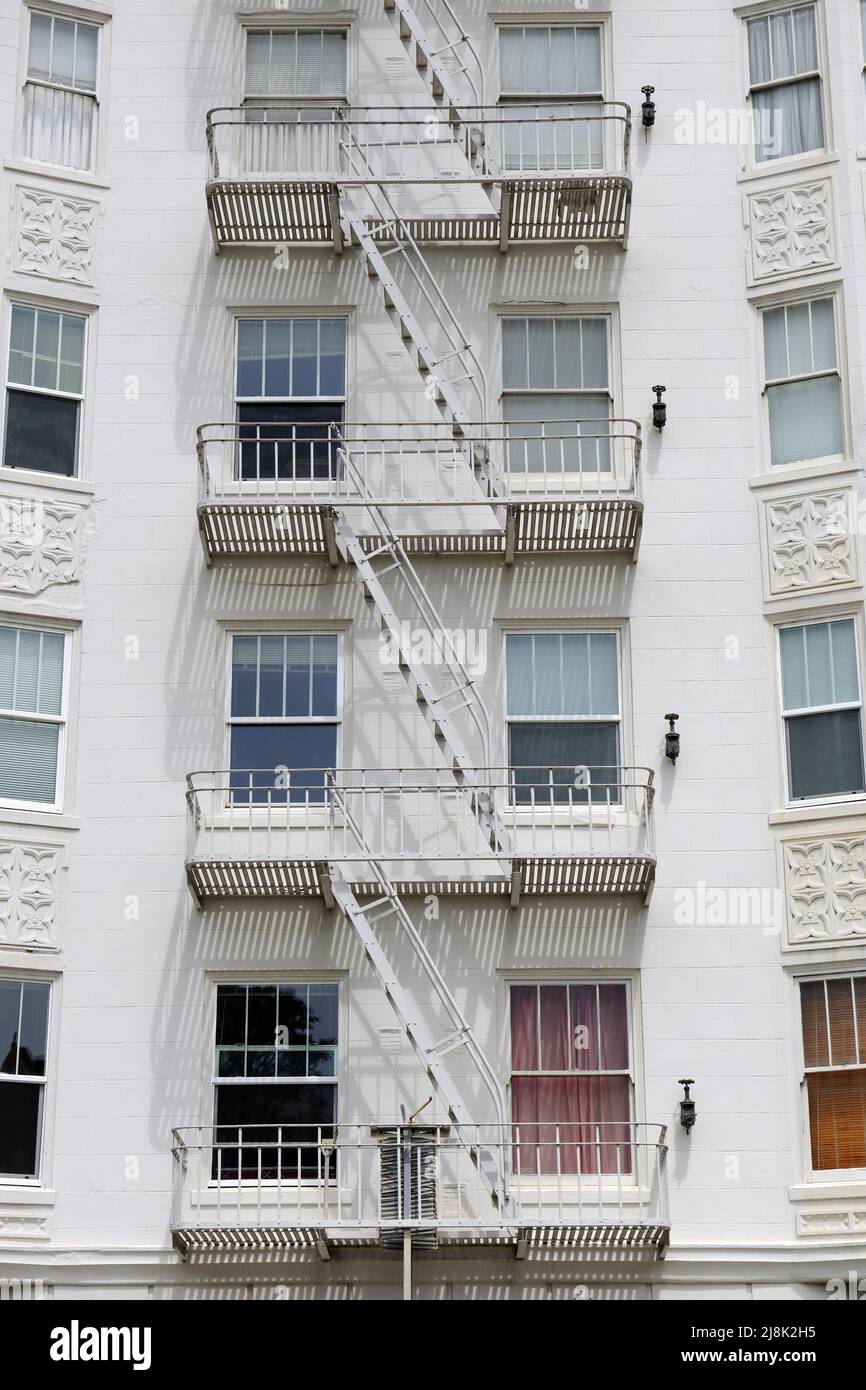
column 825, row 889
column 55, row 235
column 848, row 1220
column 791, row 231
column 40, row 544
column 811, row 541
column 30, row 895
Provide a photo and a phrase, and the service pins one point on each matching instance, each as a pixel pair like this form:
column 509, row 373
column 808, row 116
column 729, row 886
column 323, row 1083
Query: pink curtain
column 571, row 1124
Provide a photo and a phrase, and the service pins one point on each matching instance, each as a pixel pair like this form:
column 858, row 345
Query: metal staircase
column 430, row 49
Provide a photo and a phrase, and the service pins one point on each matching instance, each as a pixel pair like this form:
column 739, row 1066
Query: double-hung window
column 23, row 1051
column 44, row 389
column 803, row 382
column 60, row 104
column 556, row 395
column 822, row 709
column 833, row 1013
column 551, row 74
column 785, row 83
column 571, row 1078
column 290, row 388
column 284, row 716
column 563, row 716
column 275, row 1078
column 32, row 717
column 292, row 64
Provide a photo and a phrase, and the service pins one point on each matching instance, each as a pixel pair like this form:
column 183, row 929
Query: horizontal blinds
column 28, row 760
column 837, row 1119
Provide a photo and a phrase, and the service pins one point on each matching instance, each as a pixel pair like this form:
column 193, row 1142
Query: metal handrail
column 397, row 140
column 417, row 463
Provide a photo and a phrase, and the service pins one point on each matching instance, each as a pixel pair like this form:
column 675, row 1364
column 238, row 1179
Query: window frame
column 814, row 617
column 556, row 630
column 79, row 14
column 292, row 23
column 62, row 721
column 268, row 809
column 567, row 976
column 64, row 309
column 44, row 1118
column 788, row 300
column 764, row 11
column 822, row 975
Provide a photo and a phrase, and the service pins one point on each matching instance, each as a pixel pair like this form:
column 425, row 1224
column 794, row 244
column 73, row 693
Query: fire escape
column 364, row 840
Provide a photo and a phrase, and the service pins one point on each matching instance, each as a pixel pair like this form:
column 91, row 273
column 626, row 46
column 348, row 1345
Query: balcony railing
column 272, row 489
column 260, row 833
column 574, row 1185
column 558, row 171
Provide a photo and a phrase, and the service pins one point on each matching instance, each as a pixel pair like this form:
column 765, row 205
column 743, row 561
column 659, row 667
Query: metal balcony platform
column 539, row 876
column 292, row 211
column 236, row 530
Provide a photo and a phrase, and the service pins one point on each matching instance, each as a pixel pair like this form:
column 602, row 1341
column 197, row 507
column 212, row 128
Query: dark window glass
column 41, row 432
column 267, row 747
column 535, row 749
column 825, row 754
column 34, row 1030
column 281, row 440
column 251, row 1107
column 19, row 1128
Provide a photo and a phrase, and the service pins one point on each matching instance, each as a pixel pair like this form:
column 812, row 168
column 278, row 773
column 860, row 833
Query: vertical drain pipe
column 407, row 1266
column 406, row 1165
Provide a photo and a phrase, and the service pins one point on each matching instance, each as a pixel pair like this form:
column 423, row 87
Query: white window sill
column 816, row 1190
column 819, row 811
column 795, row 472
column 56, row 172
column 25, row 1193
column 779, row 168
column 49, row 482
column 53, row 820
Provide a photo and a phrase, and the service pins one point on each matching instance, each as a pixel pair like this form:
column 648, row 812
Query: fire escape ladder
column 448, row 64
column 387, row 907
column 448, row 366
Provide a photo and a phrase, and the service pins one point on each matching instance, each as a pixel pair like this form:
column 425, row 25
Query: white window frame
column 784, row 715
column 641, row 1179
column 607, row 630
column 786, row 301
column 37, row 1179
column 293, row 24
column 818, row 155
column 265, row 809
column 822, row 1175
column 80, row 14
column 64, row 310
column 540, row 481
column 61, row 721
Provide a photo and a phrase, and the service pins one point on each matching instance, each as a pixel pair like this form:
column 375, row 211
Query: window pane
column 245, row 661
column 287, row 439
column 825, row 754
column 613, row 1025
column 324, row 676
column 760, row 69
column 795, row 678
column 71, row 377
column 572, row 1124
column 278, row 349
column 524, row 1027
column 231, row 1015
column 775, row 345
column 511, row 69
column 323, row 1014
column 805, row 420
column 556, row 1049
column 788, row 119
column 27, row 670
column 584, row 1020
column 332, row 362
column 39, row 64
column 293, row 1015
column 34, row 1030
column 535, row 749
column 799, row 339
column 258, row 49
column 823, row 334
column 19, row 1129
column 542, row 369
column 250, row 380
column 813, row 1015
column 567, row 354
column 51, row 674
column 262, row 1016
column 843, row 1041
column 837, row 1119
column 272, row 651
column 63, row 51
column 28, row 760
column 515, row 360
column 819, row 664
column 334, row 46
column 536, row 42
column 298, row 661
column 805, row 39
column 41, row 433
column 85, row 57
column 305, row 358
column 10, row 1009
column 547, row 669
column 21, row 342
column 267, row 747
column 594, row 352
column 519, row 673
column 47, row 351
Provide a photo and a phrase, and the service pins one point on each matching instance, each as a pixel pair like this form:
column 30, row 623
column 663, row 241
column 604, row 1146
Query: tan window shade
column 837, row 1119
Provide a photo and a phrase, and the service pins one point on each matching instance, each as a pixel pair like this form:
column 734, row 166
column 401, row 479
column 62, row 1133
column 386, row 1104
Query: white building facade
column 361, row 917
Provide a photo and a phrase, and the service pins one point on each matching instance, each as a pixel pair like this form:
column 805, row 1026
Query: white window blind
column 296, row 63
column 821, row 703
column 60, row 94
column 31, row 714
column 785, row 82
column 804, row 390
column 556, row 398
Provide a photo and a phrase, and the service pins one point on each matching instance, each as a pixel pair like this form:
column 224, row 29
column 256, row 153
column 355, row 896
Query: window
column 44, row 390
column 290, row 387
column 283, row 64
column 803, row 384
column 785, row 83
column 23, row 1050
column 560, row 67
column 60, row 103
column 32, row 716
column 284, row 714
column 275, row 1064
column 571, row 1077
column 822, row 711
column 833, row 1013
column 563, row 714
column 556, row 396
column 863, row 34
